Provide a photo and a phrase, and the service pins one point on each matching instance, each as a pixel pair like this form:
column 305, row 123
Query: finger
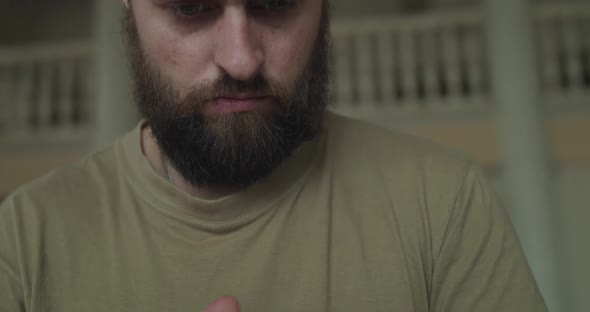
column 224, row 304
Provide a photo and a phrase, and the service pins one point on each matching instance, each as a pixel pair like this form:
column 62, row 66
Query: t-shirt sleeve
column 480, row 265
column 11, row 290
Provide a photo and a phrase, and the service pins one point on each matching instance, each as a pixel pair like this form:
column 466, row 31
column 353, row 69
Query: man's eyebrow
column 168, row 1
column 159, row 1
column 188, row 1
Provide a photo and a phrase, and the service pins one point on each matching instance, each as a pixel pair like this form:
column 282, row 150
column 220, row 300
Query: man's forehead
column 325, row 2
column 213, row 1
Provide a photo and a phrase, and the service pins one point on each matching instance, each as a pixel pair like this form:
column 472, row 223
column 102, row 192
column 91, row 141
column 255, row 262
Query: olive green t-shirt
column 360, row 219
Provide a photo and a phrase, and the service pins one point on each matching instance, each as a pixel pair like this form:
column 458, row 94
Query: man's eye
column 189, row 10
column 276, row 4
column 271, row 5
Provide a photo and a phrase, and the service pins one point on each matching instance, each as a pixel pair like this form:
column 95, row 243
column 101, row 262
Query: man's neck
column 162, row 167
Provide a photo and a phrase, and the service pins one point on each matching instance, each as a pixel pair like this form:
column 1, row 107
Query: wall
column 573, row 197
column 354, row 8
column 445, row 4
column 23, row 21
column 571, row 191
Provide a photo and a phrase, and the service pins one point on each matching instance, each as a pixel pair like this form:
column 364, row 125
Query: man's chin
column 234, row 149
column 236, row 129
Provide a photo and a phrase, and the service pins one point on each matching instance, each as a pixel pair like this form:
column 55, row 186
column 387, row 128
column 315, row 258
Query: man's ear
column 126, row 3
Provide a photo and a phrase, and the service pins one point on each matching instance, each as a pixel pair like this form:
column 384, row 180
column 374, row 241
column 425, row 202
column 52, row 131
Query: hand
column 224, row 304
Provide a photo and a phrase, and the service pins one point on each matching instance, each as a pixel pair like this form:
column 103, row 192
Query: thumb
column 224, row 304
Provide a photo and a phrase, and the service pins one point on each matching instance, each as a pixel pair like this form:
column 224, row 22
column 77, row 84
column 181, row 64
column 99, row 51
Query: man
column 238, row 191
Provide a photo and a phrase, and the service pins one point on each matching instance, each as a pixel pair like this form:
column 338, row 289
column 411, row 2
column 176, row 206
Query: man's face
column 229, row 87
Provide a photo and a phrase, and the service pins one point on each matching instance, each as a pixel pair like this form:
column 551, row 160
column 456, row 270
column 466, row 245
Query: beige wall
column 573, row 191
column 26, row 21
column 351, row 8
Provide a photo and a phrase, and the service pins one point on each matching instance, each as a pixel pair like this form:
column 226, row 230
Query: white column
column 516, row 94
column 115, row 111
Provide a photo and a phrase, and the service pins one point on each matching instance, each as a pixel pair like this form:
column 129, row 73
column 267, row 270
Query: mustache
column 226, row 86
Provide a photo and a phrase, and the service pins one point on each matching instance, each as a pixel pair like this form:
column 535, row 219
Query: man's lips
column 226, row 105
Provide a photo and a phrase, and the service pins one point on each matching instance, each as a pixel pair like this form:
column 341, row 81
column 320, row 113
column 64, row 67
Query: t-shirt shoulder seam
column 403, row 138
column 54, row 173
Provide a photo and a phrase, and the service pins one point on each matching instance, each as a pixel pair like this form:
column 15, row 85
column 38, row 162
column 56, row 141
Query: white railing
column 428, row 64
column 436, row 62
column 428, row 61
column 45, row 90
column 563, row 36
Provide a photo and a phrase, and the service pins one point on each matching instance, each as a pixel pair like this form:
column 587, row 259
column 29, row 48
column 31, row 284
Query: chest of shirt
column 327, row 264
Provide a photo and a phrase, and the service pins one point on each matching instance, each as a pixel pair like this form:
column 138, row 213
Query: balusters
column 364, row 66
column 65, row 94
column 548, row 56
column 44, row 103
column 451, row 62
column 343, row 69
column 475, row 64
column 385, row 63
column 408, row 65
column 40, row 96
column 417, row 65
column 24, row 91
column 571, row 50
column 6, row 92
column 439, row 62
column 564, row 57
column 386, row 68
column 37, row 88
column 585, row 41
column 428, row 60
column 86, row 95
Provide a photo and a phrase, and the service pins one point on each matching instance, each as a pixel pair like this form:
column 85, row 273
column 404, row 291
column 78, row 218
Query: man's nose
column 238, row 48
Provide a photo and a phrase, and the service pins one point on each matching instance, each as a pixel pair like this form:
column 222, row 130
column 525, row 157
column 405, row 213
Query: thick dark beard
column 231, row 150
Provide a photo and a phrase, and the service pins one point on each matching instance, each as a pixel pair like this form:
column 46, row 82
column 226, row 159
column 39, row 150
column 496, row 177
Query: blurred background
column 505, row 81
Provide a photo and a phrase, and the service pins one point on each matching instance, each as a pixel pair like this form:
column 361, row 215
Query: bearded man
column 238, row 190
